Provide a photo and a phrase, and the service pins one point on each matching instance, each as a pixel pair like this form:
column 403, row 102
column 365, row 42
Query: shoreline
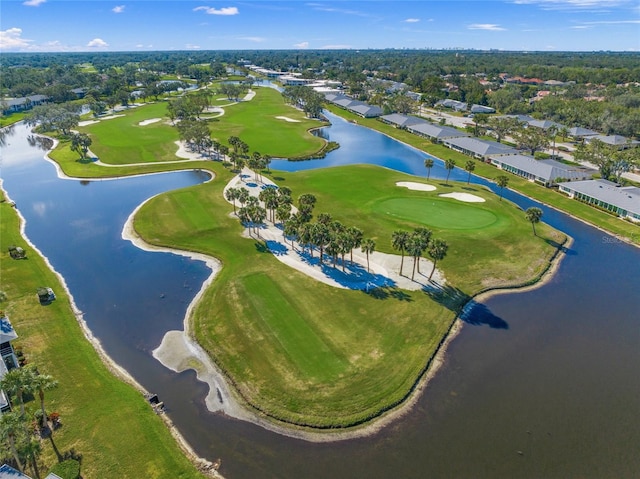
column 179, row 351
column 371, row 427
column 205, row 466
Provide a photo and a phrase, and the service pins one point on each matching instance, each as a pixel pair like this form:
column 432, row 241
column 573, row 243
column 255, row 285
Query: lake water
column 554, row 394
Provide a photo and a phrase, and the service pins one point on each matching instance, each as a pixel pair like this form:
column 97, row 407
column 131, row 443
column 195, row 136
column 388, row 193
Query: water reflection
column 553, row 376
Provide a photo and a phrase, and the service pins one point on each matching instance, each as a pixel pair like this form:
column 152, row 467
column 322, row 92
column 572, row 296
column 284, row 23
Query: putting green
column 439, row 213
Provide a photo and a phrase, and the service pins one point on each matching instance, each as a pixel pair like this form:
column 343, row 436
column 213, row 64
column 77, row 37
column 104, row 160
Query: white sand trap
column 466, row 197
column 287, row 119
column 88, row 122
column 249, row 96
column 415, row 186
column 110, row 117
column 148, row 122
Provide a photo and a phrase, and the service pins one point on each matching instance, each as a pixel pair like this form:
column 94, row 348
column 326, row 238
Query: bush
column 68, row 469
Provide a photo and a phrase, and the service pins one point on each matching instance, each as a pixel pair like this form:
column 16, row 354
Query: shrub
column 68, row 469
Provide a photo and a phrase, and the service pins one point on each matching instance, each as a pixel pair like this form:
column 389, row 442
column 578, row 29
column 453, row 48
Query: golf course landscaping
column 304, row 353
column 299, row 352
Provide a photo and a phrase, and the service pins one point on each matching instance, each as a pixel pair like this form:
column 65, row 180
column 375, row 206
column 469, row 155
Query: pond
column 553, row 392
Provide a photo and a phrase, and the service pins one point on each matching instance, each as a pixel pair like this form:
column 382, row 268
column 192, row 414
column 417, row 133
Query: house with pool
column 623, row 201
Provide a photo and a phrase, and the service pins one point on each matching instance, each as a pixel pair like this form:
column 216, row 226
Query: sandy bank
column 466, row 197
column 412, row 185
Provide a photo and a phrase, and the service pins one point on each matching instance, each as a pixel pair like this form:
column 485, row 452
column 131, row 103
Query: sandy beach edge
column 205, row 466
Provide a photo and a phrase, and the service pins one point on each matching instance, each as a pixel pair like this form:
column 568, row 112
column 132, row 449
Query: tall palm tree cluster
column 16, row 429
column 415, row 244
column 239, row 156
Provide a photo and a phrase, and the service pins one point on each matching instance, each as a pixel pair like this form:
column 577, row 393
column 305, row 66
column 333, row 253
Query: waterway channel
column 553, row 392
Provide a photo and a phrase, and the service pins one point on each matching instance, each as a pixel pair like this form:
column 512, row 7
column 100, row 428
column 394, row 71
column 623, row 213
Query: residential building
column 623, row 201
column 482, row 109
column 9, row 358
column 401, row 121
column 436, row 132
column 544, row 124
column 13, row 105
column 620, row 142
column 579, row 133
column 453, row 104
column 480, row 149
column 545, row 172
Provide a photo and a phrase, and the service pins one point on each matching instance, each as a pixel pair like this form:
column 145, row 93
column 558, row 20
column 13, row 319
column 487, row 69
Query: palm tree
column 232, row 194
column 553, row 132
column 400, row 241
column 32, row 449
column 424, row 236
column 502, row 181
column 16, row 382
column 450, row 164
column 368, row 246
column 415, row 249
column 355, row 239
column 290, row 229
column 534, row 215
column 470, row 165
column 42, row 383
column 243, row 195
column 428, row 164
column 11, row 424
column 283, row 213
column 320, row 237
column 437, row 250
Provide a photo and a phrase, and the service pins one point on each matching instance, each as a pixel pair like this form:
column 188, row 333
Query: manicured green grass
column 549, row 196
column 255, row 123
column 304, row 352
column 98, row 411
column 311, row 354
column 6, row 120
column 445, row 214
column 122, row 140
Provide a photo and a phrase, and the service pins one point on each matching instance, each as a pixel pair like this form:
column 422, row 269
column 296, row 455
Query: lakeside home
column 355, row 106
column 9, row 358
column 480, row 149
column 621, row 200
column 545, row 172
column 13, row 105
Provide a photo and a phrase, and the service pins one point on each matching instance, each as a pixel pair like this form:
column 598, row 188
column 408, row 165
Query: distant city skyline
column 514, row 25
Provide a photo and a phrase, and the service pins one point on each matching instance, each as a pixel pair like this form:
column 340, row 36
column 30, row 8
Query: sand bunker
column 415, row 186
column 466, row 197
column 88, row 122
column 148, row 122
column 287, row 119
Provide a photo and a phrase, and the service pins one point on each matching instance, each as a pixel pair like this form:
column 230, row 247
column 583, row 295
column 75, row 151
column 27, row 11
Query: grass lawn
column 310, row 354
column 122, row 140
column 6, row 120
column 97, row 409
column 298, row 350
column 255, row 123
column 549, row 196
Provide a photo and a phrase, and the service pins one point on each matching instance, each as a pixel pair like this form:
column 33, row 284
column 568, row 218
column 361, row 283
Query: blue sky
column 123, row 25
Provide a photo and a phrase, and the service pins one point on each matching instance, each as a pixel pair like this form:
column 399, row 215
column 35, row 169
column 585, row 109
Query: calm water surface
column 553, row 393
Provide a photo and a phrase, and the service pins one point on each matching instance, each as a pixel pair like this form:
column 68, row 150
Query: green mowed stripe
column 437, row 213
column 190, row 206
column 299, row 341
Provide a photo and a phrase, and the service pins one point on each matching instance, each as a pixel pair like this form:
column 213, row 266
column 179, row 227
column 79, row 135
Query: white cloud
column 118, row 9
column 11, row 39
column 216, row 11
column 190, row 46
column 301, row 45
column 613, row 22
column 252, row 39
column 580, row 27
column 574, row 4
column 97, row 43
column 492, row 27
column 412, row 20
column 33, row 3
